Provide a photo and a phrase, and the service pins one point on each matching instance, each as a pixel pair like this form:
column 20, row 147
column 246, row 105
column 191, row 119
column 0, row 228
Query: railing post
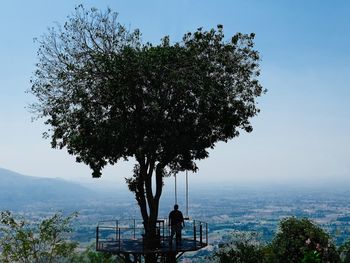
column 119, row 238
column 206, row 233
column 168, row 227
column 134, row 229
column 200, row 234
column 97, row 238
column 194, row 231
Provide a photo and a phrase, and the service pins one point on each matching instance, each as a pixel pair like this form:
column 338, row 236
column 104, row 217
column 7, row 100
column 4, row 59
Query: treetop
column 105, row 95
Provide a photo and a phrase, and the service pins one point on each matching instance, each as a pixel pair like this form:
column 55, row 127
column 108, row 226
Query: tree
column 107, row 96
column 301, row 240
column 23, row 242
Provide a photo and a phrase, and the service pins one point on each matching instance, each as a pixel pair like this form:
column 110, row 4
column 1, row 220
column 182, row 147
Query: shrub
column 47, row 241
column 301, row 240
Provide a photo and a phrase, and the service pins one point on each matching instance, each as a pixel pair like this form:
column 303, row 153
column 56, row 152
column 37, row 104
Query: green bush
column 297, row 241
column 47, row 241
column 301, row 240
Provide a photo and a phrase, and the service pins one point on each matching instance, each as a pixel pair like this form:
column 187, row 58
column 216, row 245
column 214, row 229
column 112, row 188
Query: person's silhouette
column 176, row 222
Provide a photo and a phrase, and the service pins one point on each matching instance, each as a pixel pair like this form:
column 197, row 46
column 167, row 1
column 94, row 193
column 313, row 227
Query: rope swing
column 186, row 192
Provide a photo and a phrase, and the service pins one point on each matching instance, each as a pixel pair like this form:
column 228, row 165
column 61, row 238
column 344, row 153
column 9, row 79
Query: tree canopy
column 107, row 96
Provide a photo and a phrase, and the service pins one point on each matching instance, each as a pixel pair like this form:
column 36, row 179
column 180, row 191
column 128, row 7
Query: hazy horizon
column 197, row 184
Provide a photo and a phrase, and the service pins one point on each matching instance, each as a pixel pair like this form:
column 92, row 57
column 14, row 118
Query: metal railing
column 112, row 234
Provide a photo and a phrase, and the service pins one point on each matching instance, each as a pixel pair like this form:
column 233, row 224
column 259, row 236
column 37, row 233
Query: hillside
column 18, row 191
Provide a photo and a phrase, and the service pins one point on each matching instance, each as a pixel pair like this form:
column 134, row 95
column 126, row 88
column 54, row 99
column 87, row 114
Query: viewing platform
column 121, row 237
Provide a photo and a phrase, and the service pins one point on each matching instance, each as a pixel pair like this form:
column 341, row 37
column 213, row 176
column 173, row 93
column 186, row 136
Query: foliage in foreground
column 301, row 240
column 244, row 247
column 44, row 242
column 298, row 241
column 47, row 241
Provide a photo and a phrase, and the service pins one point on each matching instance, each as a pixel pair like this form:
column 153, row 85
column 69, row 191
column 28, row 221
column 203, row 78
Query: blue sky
column 302, row 133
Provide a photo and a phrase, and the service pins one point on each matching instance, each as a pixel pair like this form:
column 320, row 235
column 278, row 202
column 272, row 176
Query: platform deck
column 136, row 246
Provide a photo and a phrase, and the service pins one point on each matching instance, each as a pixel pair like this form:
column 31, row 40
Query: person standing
column 176, row 223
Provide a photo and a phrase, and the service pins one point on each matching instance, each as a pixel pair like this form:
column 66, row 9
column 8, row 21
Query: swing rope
column 186, row 192
column 175, row 190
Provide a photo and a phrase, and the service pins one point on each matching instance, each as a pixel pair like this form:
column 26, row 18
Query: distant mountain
column 18, row 191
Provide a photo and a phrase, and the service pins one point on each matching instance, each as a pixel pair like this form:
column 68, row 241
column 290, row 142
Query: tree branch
column 159, row 181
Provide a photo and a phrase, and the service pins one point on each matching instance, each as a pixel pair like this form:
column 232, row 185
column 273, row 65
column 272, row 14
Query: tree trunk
column 149, row 203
